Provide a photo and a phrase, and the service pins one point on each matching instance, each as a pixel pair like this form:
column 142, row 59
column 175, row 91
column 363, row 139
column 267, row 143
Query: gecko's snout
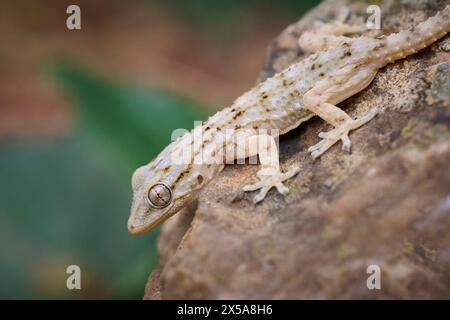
column 145, row 217
column 135, row 222
column 135, row 228
column 132, row 227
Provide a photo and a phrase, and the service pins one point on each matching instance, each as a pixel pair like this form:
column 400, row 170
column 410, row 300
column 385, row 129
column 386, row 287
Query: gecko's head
column 158, row 193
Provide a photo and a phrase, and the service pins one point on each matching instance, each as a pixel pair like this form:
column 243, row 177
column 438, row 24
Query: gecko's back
column 277, row 103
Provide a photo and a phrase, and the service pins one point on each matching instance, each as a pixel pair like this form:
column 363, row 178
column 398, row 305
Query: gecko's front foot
column 340, row 133
column 269, row 178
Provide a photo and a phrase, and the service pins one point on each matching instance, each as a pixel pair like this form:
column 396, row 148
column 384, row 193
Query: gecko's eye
column 159, row 195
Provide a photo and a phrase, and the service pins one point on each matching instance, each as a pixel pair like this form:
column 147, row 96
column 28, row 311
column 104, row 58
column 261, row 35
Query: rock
column 386, row 204
column 153, row 287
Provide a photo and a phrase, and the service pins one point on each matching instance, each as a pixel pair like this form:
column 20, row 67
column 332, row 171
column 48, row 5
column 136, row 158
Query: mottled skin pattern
column 341, row 67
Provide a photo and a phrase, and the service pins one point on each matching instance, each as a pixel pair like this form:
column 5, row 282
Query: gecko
column 338, row 66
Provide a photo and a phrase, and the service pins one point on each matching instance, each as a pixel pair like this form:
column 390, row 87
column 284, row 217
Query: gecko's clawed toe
column 261, row 195
column 329, row 139
column 323, row 135
column 282, row 189
column 317, row 146
column 340, row 133
column 346, row 143
column 252, row 187
column 267, row 182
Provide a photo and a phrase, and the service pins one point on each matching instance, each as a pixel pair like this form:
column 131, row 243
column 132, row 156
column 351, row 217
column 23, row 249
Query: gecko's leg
column 328, row 35
column 270, row 174
column 322, row 98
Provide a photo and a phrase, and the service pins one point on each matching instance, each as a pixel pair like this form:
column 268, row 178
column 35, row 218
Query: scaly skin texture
column 342, row 67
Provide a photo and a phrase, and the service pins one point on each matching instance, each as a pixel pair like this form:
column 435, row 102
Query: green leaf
column 62, row 203
column 133, row 123
column 66, row 201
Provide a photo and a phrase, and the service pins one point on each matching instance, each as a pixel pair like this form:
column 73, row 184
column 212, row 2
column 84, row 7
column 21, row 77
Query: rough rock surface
column 387, row 203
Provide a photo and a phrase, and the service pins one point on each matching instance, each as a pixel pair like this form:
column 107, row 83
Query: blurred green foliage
column 66, row 201
column 225, row 18
column 132, row 124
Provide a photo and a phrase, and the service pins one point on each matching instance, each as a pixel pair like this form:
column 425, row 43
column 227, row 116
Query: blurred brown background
column 208, row 51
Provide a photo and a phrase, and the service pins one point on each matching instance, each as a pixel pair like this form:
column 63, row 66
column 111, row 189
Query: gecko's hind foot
column 340, row 133
column 268, row 179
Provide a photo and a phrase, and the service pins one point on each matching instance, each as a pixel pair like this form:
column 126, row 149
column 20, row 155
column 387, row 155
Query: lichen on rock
column 386, row 204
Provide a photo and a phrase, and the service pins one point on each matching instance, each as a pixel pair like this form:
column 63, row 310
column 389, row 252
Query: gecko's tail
column 404, row 43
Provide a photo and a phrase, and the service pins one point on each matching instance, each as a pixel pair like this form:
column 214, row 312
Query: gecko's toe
column 367, row 117
column 346, row 143
column 282, row 189
column 317, row 146
column 340, row 133
column 317, row 153
column 323, row 135
column 261, row 195
column 343, row 14
column 252, row 187
column 289, row 174
column 267, row 182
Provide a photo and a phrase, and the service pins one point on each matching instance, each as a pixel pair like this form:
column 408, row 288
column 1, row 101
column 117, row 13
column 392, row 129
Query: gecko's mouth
column 136, row 230
column 140, row 228
column 143, row 218
column 147, row 219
